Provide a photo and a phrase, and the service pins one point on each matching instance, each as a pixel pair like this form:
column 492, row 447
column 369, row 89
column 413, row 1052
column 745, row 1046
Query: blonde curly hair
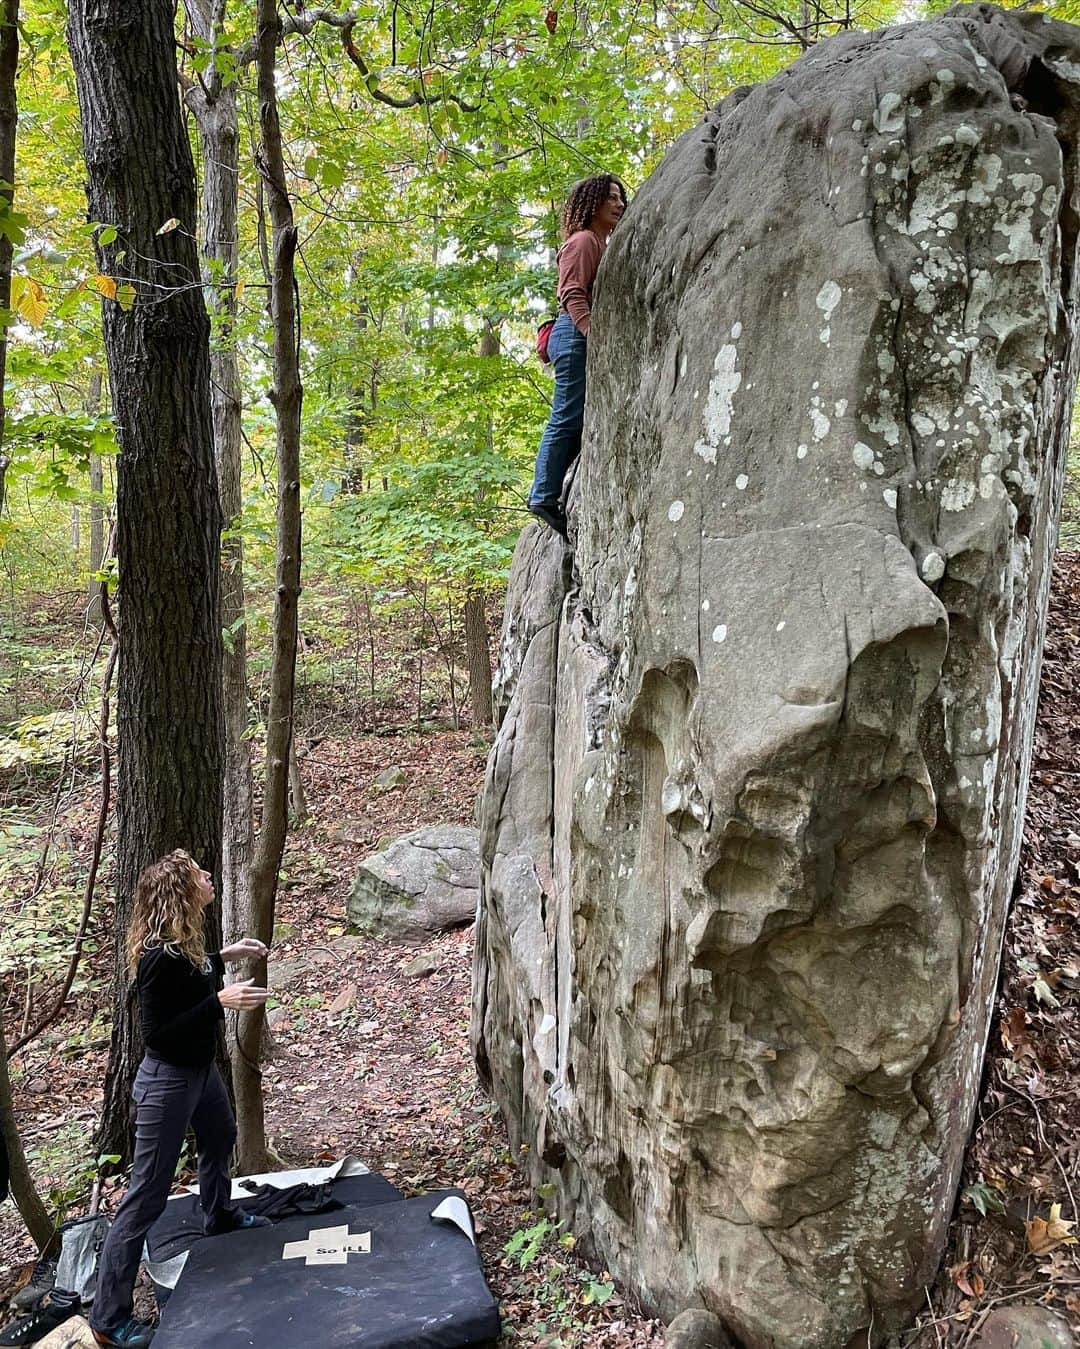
column 168, row 911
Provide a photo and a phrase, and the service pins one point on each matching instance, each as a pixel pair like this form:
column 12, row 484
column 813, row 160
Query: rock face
column 753, row 814
column 424, row 882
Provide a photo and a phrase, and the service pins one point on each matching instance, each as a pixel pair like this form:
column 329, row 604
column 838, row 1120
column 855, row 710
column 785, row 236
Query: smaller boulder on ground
column 696, row 1329
column 1025, row 1328
column 422, row 883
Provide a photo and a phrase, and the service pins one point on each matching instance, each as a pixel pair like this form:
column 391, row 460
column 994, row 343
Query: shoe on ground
column 250, row 1220
column 237, row 1222
column 53, row 1310
column 552, row 515
column 132, row 1334
column 31, row 1293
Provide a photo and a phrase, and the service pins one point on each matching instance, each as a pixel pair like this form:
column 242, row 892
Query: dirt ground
column 371, row 1062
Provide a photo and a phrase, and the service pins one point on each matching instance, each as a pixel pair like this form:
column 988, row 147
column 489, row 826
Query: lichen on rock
column 754, row 809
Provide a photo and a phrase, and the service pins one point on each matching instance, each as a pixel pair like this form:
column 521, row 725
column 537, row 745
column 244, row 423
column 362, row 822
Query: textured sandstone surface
column 426, row 881
column 753, row 814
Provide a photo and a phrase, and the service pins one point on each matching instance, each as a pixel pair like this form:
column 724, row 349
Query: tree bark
column 213, row 104
column 9, row 122
column 287, row 395
column 478, row 659
column 97, row 510
column 169, row 718
column 23, row 1191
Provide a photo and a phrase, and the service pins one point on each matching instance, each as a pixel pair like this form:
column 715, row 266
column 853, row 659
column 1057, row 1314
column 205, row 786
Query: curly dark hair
column 585, row 200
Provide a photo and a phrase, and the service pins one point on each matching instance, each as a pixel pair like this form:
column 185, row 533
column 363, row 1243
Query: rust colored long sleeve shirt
column 578, row 261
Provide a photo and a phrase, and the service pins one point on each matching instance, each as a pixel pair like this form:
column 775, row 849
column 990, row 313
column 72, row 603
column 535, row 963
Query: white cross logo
column 328, row 1246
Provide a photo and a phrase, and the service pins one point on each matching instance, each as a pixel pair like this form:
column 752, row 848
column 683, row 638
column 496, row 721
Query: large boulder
column 424, row 882
column 753, row 813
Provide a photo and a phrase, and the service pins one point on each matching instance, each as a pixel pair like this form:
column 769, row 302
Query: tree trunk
column 478, row 659
column 21, row 1183
column 298, row 806
column 97, row 510
column 287, row 397
column 9, row 122
column 169, row 720
column 23, row 1190
column 214, row 106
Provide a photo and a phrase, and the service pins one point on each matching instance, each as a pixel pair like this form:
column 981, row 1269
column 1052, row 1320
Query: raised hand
column 248, row 948
column 241, row 996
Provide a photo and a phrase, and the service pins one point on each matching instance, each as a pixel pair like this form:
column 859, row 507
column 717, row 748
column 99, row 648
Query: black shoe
column 31, row 1293
column 237, row 1222
column 552, row 515
column 55, row 1309
column 132, row 1334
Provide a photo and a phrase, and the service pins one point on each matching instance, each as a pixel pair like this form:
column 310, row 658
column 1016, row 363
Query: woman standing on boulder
column 593, row 209
column 181, row 1004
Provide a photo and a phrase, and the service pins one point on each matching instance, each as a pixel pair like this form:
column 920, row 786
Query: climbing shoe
column 249, row 1220
column 236, row 1222
column 31, row 1293
column 132, row 1334
column 54, row 1309
column 552, row 515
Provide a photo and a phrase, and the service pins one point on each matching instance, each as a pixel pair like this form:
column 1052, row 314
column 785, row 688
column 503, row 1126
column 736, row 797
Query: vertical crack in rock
column 768, row 760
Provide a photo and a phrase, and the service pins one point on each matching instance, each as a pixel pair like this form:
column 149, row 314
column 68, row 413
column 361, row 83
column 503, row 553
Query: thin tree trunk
column 23, row 1191
column 478, row 659
column 97, row 509
column 9, row 123
column 213, row 104
column 298, row 806
column 287, row 397
column 169, row 719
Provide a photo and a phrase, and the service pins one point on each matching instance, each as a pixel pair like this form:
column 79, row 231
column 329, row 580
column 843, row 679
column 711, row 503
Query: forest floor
column 371, row 1062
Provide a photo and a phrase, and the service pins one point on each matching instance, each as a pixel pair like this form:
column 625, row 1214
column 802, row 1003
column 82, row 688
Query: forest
column 310, row 246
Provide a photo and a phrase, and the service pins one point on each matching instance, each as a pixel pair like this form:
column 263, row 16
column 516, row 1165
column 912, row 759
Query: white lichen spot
column 933, row 567
column 781, row 625
column 889, row 115
column 741, row 482
column 675, row 512
column 856, row 125
column 840, row 406
column 863, row 455
column 889, row 497
column 957, row 494
column 966, row 135
column 801, row 452
column 719, row 404
column 736, row 331
column 828, row 297
column 820, row 423
column 705, row 605
column 879, row 468
column 719, row 632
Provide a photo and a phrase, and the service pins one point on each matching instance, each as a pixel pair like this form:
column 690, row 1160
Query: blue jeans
column 561, row 441
column 167, row 1099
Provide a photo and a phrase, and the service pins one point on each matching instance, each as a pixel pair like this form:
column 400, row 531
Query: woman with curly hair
column 593, row 209
column 181, row 1004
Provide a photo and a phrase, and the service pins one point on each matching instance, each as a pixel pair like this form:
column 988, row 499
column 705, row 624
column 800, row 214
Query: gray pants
column 167, row 1099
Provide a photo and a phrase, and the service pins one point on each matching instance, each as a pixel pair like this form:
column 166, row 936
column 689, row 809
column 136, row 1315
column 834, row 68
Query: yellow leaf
column 1043, row 1235
column 28, row 299
column 169, row 225
column 104, row 285
column 125, row 296
column 240, row 289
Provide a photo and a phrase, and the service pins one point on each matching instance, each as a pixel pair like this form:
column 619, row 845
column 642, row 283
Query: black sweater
column 179, row 1007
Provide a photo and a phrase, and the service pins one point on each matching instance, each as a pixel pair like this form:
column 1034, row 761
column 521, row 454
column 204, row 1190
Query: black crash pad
column 419, row 1287
column 181, row 1225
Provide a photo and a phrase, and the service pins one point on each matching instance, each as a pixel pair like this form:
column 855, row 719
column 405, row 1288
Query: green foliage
column 984, row 1197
